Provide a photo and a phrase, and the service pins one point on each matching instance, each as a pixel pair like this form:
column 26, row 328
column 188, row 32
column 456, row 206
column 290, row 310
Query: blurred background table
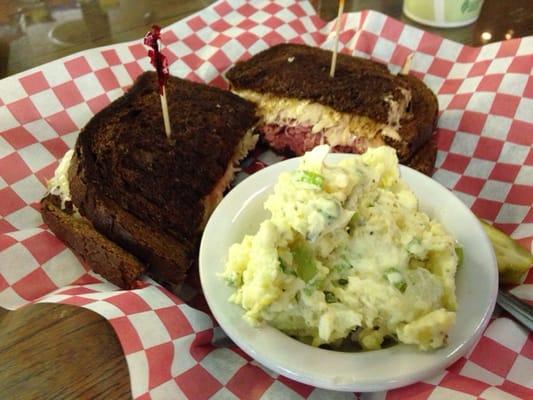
column 33, row 32
column 51, row 351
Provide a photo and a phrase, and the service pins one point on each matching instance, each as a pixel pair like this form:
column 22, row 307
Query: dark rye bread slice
column 166, row 258
column 145, row 192
column 424, row 159
column 359, row 87
column 103, row 256
column 417, row 129
column 125, row 152
column 302, row 72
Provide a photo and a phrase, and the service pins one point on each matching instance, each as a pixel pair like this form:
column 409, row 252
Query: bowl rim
column 271, row 359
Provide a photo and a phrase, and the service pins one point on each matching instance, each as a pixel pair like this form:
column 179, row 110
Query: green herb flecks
column 309, row 177
column 330, row 297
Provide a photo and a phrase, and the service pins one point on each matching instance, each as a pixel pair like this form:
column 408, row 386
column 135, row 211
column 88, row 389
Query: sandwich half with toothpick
column 363, row 105
column 130, row 201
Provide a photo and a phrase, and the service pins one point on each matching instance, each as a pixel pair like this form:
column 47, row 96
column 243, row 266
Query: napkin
column 172, row 343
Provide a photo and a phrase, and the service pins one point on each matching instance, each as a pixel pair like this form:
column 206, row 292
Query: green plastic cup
column 443, row 13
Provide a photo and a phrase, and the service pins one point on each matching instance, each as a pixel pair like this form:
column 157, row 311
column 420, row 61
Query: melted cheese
column 58, row 185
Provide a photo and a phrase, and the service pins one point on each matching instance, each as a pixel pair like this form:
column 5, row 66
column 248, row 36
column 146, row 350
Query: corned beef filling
column 298, row 139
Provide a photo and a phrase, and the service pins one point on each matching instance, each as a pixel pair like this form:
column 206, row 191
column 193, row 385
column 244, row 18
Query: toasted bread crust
column 302, row 72
column 101, row 254
column 145, row 192
column 418, row 130
column 166, row 258
column 359, row 87
column 126, row 153
column 140, row 195
column 424, row 160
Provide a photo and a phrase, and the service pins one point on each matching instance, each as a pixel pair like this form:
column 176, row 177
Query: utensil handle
column 517, row 308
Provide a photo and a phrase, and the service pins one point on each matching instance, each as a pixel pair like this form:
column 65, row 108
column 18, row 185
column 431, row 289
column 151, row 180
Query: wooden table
column 51, row 351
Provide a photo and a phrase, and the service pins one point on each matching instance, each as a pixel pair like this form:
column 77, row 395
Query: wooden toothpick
column 336, row 40
column 164, row 107
column 407, row 64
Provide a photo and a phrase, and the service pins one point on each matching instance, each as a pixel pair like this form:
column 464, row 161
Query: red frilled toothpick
column 160, row 63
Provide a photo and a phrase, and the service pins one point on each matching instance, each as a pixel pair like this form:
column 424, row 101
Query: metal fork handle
column 522, row 311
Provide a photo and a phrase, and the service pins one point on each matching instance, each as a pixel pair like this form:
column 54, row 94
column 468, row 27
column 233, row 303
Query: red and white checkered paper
column 173, row 347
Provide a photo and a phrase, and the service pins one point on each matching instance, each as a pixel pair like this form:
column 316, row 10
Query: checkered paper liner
column 171, row 344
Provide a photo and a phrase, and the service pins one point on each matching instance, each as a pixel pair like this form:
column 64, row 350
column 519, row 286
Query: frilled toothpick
column 160, row 63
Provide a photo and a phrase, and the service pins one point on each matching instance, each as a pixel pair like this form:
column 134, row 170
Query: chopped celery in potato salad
column 347, row 257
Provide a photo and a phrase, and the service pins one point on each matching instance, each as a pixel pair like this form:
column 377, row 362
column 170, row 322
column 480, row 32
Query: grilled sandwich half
column 362, row 106
column 128, row 200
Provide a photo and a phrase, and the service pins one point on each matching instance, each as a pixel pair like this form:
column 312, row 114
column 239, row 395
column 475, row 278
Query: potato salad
column 347, row 256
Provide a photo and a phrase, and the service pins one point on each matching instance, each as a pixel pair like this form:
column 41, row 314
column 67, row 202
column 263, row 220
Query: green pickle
column 513, row 260
column 305, row 263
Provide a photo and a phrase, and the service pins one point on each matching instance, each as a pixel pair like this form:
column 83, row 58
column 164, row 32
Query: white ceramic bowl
column 241, row 212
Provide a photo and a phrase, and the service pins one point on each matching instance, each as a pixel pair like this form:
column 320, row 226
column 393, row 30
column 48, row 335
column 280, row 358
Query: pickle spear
column 513, row 259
